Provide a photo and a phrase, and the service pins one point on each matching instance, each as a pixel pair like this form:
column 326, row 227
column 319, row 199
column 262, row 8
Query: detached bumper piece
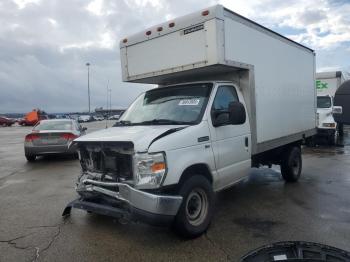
column 135, row 205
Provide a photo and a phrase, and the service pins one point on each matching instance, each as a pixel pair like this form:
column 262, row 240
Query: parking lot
column 260, row 210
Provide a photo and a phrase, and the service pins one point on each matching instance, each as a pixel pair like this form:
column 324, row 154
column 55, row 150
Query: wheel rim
column 296, row 166
column 196, row 207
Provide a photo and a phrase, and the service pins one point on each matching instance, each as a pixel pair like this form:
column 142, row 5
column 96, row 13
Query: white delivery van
column 327, row 83
column 231, row 95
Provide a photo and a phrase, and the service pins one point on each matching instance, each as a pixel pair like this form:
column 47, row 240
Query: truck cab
column 326, row 125
column 327, row 83
column 167, row 136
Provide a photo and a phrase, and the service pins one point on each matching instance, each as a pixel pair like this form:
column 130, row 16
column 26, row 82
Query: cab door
column 231, row 143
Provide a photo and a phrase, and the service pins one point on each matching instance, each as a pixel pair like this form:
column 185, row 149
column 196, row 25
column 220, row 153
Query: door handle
column 246, row 141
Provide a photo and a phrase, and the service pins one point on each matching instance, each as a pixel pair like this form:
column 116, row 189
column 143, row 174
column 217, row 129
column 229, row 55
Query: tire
column 341, row 130
column 196, row 210
column 30, row 158
column 75, row 156
column 332, row 139
column 291, row 164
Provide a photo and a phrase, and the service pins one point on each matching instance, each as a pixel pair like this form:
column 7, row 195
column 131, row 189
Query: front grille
column 112, row 161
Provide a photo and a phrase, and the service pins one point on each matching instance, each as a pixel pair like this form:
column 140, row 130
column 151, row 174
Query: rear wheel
column 30, row 158
column 291, row 164
column 195, row 213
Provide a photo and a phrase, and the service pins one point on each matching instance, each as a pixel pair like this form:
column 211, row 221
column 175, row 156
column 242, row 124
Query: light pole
column 107, row 114
column 88, row 67
column 110, row 101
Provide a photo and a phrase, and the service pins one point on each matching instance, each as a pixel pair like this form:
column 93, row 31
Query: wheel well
column 197, row 169
column 273, row 156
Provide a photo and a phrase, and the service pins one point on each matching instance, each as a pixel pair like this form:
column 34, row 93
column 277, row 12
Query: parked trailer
column 342, row 105
column 232, row 94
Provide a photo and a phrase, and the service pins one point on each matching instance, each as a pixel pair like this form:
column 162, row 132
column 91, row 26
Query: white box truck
column 231, row 95
column 327, row 83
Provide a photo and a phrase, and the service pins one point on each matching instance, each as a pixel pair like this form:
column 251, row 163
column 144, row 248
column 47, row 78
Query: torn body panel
column 106, row 186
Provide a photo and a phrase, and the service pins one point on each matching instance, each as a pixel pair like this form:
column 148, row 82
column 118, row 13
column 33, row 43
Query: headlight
column 150, row 170
column 329, row 125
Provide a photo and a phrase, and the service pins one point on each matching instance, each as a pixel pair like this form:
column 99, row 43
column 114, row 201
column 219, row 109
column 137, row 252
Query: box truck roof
column 179, row 23
column 326, row 75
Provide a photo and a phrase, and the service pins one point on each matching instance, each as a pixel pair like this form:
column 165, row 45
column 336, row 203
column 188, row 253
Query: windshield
column 324, row 102
column 54, row 125
column 175, row 105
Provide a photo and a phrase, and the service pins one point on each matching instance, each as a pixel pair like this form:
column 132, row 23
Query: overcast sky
column 45, row 44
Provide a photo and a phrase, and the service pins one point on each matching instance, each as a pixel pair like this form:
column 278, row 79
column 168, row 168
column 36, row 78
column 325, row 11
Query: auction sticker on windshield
column 189, row 102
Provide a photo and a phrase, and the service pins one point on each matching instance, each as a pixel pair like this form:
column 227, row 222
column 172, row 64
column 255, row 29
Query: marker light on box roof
column 172, row 24
column 205, row 13
column 125, row 40
column 149, row 32
column 159, row 29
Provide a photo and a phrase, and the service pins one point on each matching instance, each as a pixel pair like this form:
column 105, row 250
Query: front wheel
column 341, row 129
column 195, row 213
column 291, row 164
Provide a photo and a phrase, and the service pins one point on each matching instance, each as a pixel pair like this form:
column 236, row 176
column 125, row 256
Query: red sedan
column 4, row 121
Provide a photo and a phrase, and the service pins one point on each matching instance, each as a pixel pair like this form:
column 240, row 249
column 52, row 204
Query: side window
column 224, row 96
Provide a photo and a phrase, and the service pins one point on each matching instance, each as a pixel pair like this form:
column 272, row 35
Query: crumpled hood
column 140, row 136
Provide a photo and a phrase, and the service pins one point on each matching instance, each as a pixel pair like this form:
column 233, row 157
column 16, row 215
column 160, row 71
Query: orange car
column 33, row 117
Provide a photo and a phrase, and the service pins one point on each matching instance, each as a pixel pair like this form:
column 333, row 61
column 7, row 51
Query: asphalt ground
column 260, row 210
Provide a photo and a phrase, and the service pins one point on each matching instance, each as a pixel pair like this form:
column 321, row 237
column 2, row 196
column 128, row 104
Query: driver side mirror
column 237, row 114
column 337, row 110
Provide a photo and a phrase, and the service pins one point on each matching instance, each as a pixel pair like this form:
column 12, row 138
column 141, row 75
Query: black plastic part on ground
column 297, row 251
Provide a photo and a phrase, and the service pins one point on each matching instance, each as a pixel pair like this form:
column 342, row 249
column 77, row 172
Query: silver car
column 52, row 137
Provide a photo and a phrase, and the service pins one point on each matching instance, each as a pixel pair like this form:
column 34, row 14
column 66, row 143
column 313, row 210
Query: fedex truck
column 327, row 83
column 231, row 95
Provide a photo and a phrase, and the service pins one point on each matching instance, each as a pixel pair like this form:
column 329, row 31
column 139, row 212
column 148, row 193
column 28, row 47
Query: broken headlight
column 149, row 170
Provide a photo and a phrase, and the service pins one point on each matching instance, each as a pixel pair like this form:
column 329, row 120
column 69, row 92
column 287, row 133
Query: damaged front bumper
column 130, row 204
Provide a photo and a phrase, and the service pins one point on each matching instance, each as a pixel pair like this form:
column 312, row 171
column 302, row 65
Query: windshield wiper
column 162, row 122
column 123, row 123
